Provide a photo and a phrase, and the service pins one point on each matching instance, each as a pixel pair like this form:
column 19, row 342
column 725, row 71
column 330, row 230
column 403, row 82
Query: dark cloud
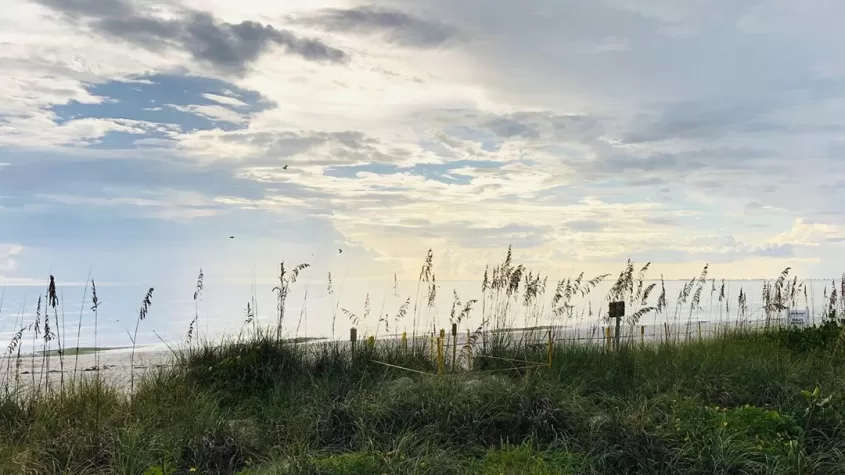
column 660, row 221
column 521, row 124
column 288, row 143
column 509, row 128
column 227, row 46
column 104, row 8
column 585, row 225
column 398, row 27
column 731, row 116
column 318, row 148
column 693, row 120
column 717, row 158
column 649, row 181
column 710, row 184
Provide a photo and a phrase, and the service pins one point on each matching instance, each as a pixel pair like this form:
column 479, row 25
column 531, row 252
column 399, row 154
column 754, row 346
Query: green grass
column 742, row 403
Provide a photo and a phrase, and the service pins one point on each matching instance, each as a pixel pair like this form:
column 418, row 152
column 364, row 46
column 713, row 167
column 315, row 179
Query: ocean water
column 310, row 310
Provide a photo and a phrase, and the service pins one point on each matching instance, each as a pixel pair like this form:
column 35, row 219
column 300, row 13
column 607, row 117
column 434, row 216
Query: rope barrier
column 402, row 367
column 507, row 369
column 510, row 359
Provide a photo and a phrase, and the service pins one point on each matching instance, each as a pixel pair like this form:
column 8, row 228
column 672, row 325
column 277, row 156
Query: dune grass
column 745, row 399
column 741, row 403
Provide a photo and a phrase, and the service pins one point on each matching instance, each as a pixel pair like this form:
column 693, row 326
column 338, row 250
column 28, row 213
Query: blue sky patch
column 123, row 140
column 164, row 99
column 442, row 172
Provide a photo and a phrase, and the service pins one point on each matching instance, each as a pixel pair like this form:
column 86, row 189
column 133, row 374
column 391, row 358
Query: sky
column 137, row 136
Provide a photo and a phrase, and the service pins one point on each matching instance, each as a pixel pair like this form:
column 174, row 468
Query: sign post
column 617, row 310
column 798, row 317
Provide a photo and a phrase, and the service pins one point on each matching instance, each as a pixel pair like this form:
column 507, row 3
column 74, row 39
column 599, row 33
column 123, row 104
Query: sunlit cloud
column 580, row 133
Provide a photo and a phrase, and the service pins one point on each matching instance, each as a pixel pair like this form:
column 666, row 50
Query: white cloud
column 214, row 113
column 581, row 131
column 812, row 233
column 7, row 257
column 172, row 205
column 225, row 100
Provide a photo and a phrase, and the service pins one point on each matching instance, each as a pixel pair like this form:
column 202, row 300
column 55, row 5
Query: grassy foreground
column 742, row 403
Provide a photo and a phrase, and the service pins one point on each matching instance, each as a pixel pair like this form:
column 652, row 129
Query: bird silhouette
column 340, row 251
column 285, row 167
column 231, row 237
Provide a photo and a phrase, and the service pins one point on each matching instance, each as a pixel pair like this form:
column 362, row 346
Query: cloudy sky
column 136, row 136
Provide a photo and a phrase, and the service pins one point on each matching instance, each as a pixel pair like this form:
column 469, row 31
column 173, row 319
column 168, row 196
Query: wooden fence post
column 454, row 345
column 353, row 337
column 617, row 310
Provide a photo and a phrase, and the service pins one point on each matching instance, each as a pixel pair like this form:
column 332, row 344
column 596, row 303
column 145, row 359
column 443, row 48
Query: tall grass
column 79, row 325
column 282, row 290
column 53, row 302
column 142, row 314
column 743, row 400
column 193, row 327
column 744, row 403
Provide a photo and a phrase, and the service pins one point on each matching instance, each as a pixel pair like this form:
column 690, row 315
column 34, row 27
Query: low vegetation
column 767, row 400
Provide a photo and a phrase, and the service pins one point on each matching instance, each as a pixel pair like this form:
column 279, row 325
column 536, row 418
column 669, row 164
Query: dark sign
column 617, row 309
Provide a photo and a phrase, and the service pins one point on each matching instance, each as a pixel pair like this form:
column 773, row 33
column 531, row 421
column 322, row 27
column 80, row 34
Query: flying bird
column 340, row 251
column 285, row 167
column 231, row 237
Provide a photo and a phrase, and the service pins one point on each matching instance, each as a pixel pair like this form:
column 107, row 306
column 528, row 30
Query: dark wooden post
column 617, row 310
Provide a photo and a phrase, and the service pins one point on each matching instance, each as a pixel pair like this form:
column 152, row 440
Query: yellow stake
column 405, row 341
